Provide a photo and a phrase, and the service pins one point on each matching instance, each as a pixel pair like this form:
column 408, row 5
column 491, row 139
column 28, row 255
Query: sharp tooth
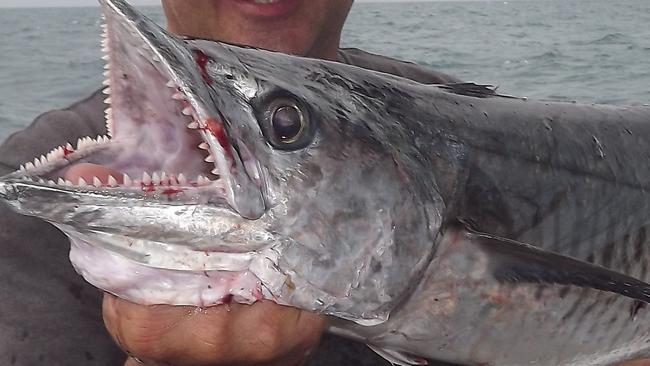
column 146, row 178
column 41, row 180
column 181, row 179
column 109, row 125
column 155, row 177
column 43, row 160
column 107, row 66
column 107, row 100
column 187, row 111
column 204, row 146
column 69, row 183
column 215, row 171
column 105, row 57
column 163, row 177
column 96, row 182
column 108, row 111
column 201, row 180
column 106, row 82
column 209, row 159
column 81, row 143
column 82, row 182
column 68, row 146
column 22, row 168
column 112, row 182
column 29, row 166
column 126, row 180
column 179, row 96
column 107, row 91
column 173, row 180
column 171, row 84
column 60, row 182
column 36, row 162
column 193, row 125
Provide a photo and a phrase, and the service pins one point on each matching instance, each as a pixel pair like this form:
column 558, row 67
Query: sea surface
column 594, row 51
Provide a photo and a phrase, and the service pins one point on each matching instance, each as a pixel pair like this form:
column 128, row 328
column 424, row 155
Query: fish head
column 353, row 224
column 298, row 168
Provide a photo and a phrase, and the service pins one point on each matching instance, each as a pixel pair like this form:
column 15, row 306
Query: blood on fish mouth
column 169, row 183
column 202, row 62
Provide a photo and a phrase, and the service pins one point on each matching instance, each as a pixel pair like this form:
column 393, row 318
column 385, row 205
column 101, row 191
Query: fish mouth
column 171, row 217
column 165, row 138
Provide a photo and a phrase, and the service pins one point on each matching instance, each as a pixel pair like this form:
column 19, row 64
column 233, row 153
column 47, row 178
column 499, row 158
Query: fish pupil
column 288, row 123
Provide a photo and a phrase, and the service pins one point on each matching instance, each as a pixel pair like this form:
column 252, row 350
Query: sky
column 55, row 3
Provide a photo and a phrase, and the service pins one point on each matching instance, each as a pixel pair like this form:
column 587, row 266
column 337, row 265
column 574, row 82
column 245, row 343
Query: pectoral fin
column 516, row 262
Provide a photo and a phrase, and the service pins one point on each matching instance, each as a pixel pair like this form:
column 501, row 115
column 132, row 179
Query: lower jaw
column 145, row 285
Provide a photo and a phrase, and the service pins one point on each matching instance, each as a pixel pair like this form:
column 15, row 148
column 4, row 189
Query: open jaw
column 163, row 222
column 164, row 136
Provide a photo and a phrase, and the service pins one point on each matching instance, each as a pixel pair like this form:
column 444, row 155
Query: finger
column 264, row 333
column 134, row 361
column 636, row 363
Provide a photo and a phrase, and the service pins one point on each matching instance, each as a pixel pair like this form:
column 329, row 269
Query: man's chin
column 265, row 9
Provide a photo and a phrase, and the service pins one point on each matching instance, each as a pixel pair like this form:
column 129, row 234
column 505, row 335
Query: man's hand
column 261, row 334
column 636, row 363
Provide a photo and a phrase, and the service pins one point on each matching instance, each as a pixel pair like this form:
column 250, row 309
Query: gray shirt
column 48, row 314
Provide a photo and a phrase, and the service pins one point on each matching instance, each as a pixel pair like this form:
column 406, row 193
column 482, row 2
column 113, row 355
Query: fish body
column 431, row 222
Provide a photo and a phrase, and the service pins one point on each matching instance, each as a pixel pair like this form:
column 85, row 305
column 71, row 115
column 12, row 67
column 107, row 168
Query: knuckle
column 136, row 336
column 269, row 343
column 136, row 344
column 213, row 342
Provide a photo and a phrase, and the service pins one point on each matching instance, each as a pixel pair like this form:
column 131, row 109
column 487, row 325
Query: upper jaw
column 188, row 78
column 165, row 135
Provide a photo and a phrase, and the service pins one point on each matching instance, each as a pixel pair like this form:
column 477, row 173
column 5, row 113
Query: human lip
column 266, row 8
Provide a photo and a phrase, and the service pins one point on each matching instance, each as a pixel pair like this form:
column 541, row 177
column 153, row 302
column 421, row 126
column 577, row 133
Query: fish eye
column 288, row 123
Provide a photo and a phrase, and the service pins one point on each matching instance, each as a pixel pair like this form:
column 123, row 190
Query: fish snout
column 8, row 191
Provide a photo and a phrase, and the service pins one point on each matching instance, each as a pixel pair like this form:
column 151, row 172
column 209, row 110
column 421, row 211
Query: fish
column 431, row 222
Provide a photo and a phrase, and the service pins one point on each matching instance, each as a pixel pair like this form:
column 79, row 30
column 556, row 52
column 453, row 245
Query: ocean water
column 593, row 51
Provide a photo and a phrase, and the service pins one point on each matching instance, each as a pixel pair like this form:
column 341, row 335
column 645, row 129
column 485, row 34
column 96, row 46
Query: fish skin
column 360, row 223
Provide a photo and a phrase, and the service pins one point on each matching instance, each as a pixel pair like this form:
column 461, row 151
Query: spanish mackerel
column 438, row 222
